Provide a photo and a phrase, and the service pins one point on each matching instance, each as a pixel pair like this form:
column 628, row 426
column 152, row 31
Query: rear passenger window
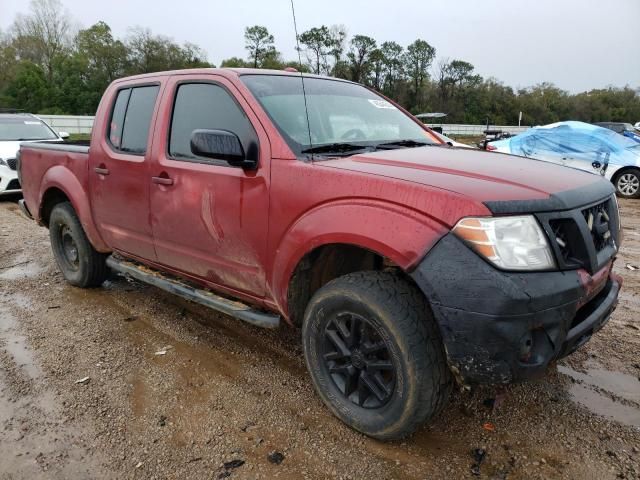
column 206, row 106
column 117, row 117
column 131, row 119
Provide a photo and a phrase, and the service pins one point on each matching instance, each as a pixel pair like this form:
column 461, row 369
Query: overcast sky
column 576, row 44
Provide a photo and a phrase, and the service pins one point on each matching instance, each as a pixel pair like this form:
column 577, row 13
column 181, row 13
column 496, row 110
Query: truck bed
column 41, row 164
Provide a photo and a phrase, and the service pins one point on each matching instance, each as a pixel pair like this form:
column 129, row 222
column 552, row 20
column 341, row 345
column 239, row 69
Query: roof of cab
column 226, row 72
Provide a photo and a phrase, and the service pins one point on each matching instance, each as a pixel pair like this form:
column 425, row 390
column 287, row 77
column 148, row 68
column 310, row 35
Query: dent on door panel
column 208, row 216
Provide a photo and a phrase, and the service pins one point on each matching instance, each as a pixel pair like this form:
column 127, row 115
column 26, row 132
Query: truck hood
column 503, row 183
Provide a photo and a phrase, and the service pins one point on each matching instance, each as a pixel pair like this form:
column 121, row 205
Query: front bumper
column 501, row 327
column 9, row 182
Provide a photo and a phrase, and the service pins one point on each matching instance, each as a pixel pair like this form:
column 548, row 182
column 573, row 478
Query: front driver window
column 206, row 106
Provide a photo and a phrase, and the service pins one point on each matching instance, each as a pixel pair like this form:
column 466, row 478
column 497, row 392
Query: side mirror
column 221, row 145
column 63, row 135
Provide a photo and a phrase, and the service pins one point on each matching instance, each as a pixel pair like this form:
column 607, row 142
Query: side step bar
column 230, row 307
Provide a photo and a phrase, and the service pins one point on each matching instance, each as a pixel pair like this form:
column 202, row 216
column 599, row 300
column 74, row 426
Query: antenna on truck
column 304, row 93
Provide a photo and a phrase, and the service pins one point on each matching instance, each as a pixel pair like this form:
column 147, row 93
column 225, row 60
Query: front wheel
column 627, row 184
column 375, row 354
column 78, row 261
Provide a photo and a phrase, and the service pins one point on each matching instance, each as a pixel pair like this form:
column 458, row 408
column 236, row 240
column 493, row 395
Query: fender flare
column 390, row 230
column 66, row 181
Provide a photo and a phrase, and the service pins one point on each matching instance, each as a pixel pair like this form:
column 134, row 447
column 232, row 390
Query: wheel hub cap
column 359, row 361
column 69, row 248
column 628, row 184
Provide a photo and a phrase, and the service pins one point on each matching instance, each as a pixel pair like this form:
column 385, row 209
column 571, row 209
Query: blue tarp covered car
column 583, row 146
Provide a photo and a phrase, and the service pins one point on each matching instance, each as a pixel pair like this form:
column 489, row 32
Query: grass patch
column 74, row 137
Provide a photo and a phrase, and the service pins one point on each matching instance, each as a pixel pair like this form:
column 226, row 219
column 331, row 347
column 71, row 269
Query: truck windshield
column 24, row 128
column 344, row 118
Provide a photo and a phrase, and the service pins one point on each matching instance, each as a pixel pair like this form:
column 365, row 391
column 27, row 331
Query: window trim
column 113, row 107
column 202, row 160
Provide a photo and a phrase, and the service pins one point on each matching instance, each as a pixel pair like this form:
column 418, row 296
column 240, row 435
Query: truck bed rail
column 76, row 147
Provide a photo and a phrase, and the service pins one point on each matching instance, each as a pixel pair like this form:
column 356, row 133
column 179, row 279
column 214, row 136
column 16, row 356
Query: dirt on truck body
column 228, row 392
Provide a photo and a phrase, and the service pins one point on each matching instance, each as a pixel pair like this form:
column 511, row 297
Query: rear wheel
column 627, row 183
column 78, row 261
column 375, row 354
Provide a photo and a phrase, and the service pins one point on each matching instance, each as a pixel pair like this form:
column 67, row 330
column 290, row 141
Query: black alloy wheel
column 359, row 360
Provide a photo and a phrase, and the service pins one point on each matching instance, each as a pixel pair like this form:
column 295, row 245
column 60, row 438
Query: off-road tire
column 87, row 268
column 627, row 183
column 399, row 313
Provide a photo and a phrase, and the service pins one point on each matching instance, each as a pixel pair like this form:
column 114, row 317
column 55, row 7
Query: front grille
column 12, row 163
column 597, row 218
column 583, row 238
column 13, row 185
column 561, row 239
column 567, row 238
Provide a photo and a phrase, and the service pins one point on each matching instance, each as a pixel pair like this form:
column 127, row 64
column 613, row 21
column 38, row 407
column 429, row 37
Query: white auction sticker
column 381, row 104
column 28, row 122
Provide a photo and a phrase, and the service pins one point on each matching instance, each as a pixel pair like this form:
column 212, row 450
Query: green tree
column 43, row 34
column 377, row 69
column 234, row 62
column 338, row 36
column 29, row 88
column 70, row 89
column 9, row 63
column 417, row 60
column 104, row 59
column 106, row 56
column 359, row 55
column 544, row 103
column 318, row 43
column 393, row 67
column 259, row 44
column 155, row 53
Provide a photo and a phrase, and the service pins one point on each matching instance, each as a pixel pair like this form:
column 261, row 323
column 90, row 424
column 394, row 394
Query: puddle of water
column 604, row 406
column 16, row 344
column 21, row 270
column 139, row 396
column 43, row 435
column 20, row 300
column 618, row 384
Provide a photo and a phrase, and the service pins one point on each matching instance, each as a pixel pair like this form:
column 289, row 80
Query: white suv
column 16, row 128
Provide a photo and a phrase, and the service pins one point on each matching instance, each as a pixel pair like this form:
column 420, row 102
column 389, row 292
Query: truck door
column 119, row 171
column 209, row 218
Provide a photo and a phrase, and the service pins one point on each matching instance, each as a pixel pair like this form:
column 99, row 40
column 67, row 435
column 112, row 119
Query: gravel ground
column 87, row 392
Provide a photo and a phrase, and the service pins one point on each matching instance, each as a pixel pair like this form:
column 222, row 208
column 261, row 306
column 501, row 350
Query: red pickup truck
column 407, row 263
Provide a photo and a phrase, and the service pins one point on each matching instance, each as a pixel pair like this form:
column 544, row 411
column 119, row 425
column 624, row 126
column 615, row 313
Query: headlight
column 2, row 162
column 510, row 243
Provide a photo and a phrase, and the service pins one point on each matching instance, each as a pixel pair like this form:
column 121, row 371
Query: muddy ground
column 225, row 396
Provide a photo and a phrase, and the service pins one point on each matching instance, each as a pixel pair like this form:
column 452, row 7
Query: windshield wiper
column 335, row 148
column 402, row 143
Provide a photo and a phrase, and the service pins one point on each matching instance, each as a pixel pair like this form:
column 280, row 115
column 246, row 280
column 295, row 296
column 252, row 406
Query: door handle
column 101, row 170
column 162, row 180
